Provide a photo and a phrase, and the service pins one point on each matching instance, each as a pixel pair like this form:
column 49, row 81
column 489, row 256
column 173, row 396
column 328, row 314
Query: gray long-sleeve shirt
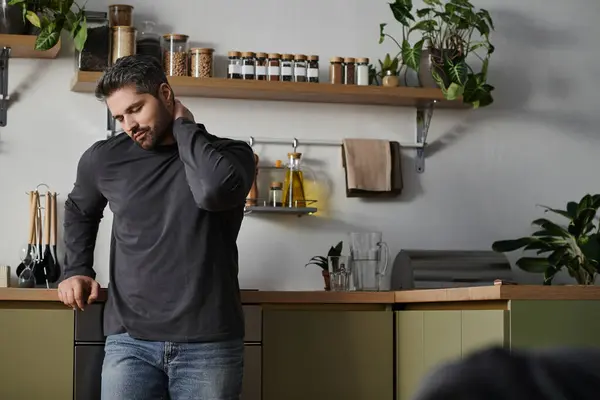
column 177, row 214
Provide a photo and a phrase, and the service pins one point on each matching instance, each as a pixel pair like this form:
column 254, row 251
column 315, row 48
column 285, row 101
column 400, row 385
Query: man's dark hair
column 143, row 72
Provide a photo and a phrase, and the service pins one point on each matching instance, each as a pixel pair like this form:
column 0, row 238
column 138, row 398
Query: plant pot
column 433, row 60
column 390, row 80
column 11, row 20
column 327, row 280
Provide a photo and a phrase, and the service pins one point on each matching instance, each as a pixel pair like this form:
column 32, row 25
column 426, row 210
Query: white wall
column 488, row 171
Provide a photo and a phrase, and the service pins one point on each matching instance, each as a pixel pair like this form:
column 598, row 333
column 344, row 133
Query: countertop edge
column 481, row 293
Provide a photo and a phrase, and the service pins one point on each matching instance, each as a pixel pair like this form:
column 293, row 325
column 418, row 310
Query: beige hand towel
column 368, row 164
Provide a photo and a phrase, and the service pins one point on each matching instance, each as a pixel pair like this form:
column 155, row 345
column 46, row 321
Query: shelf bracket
column 4, row 97
column 424, row 114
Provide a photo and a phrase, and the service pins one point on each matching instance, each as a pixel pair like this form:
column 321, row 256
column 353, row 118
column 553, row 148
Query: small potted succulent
column 323, row 263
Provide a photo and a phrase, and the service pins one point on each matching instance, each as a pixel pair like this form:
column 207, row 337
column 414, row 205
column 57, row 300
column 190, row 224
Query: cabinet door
column 324, row 355
column 36, row 351
column 427, row 339
column 252, row 373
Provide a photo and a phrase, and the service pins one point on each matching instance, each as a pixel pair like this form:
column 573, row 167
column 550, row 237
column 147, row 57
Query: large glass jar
column 201, row 62
column 148, row 42
column 95, row 54
column 175, row 52
column 123, row 42
column 120, row 15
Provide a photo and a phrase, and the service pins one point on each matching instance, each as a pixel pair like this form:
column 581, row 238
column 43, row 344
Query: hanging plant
column 51, row 17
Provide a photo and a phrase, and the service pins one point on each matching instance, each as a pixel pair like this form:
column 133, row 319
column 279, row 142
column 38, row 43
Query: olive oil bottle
column 293, row 185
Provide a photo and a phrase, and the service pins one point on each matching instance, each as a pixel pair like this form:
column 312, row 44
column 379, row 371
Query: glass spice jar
column 175, row 54
column 148, row 42
column 248, row 67
column 349, row 71
column 95, row 54
column 201, row 62
column 123, row 42
column 260, row 69
column 234, row 69
column 287, row 67
column 274, row 66
column 276, row 194
column 300, row 68
column 336, row 71
column 362, row 71
column 312, row 72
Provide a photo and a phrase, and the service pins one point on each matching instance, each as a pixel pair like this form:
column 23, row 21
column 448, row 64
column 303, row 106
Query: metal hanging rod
column 297, row 142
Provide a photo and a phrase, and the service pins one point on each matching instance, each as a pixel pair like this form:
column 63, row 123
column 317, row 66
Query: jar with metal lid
column 248, row 67
column 274, row 66
column 336, row 70
column 123, row 42
column 261, row 66
column 234, row 68
column 201, row 62
column 362, row 71
column 300, row 68
column 148, row 42
column 287, row 67
column 175, row 50
column 312, row 72
column 349, row 71
column 95, row 54
column 120, row 15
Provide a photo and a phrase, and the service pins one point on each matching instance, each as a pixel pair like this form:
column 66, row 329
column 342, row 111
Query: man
column 173, row 317
column 511, row 374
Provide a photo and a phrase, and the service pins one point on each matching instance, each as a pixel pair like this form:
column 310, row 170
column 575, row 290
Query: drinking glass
column 339, row 273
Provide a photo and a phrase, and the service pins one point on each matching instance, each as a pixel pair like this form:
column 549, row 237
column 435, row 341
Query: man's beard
column 155, row 137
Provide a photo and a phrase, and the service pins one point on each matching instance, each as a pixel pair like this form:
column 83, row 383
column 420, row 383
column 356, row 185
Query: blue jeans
column 144, row 370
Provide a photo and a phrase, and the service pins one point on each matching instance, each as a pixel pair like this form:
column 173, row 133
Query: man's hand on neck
column 179, row 110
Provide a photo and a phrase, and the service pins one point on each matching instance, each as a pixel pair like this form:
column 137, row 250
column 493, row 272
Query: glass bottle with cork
column 362, row 71
column 287, row 67
column 300, row 68
column 349, row 71
column 201, row 62
column 261, row 66
column 248, row 67
column 293, row 185
column 336, row 71
column 312, row 72
column 148, row 42
column 175, row 60
column 274, row 67
column 234, row 69
column 276, row 194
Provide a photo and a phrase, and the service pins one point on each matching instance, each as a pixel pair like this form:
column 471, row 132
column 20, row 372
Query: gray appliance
column 89, row 352
column 435, row 269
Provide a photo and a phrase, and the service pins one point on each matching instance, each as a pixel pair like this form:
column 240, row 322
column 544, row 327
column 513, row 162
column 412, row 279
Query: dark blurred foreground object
column 501, row 374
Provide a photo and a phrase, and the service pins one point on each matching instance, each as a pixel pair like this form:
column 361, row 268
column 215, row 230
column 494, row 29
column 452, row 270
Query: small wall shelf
column 289, row 91
column 23, row 46
column 299, row 211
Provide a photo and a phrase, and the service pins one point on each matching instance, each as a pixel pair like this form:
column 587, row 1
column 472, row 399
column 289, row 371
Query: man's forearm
column 220, row 172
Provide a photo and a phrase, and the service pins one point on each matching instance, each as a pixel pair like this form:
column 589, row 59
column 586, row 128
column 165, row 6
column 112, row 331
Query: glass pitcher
column 370, row 256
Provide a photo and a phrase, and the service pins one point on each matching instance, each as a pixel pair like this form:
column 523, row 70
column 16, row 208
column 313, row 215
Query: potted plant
column 447, row 40
column 322, row 261
column 51, row 17
column 574, row 246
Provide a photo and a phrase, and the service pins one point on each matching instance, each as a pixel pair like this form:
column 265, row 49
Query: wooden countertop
column 482, row 293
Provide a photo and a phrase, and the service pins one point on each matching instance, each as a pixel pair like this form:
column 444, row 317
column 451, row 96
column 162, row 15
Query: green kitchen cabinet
column 36, row 351
column 324, row 355
column 428, row 338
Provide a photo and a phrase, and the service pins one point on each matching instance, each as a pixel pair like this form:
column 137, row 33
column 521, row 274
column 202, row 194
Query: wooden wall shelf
column 290, row 91
column 22, row 46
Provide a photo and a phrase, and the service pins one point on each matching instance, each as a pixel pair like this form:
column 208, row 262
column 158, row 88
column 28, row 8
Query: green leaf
column 81, row 36
column 34, row 19
column 549, row 274
column 381, row 33
column 557, row 211
column 454, row 91
column 47, row 38
column 551, row 227
column 456, row 70
column 506, row 246
column 15, row 2
column 432, row 2
column 572, row 209
column 427, row 26
column 591, row 247
column 411, row 56
column 402, row 12
column 533, row 264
